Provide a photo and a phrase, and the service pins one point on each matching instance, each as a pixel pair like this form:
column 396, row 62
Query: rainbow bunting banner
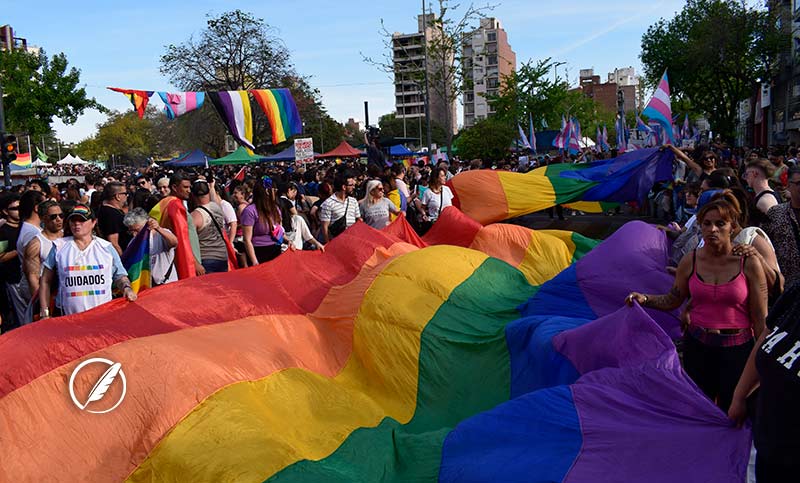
column 281, row 111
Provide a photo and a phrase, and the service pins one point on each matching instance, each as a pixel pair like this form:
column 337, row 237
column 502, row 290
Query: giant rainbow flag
column 475, row 353
column 489, row 196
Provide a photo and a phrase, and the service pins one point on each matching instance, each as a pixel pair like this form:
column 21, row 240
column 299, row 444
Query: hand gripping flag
column 138, row 98
column 659, row 108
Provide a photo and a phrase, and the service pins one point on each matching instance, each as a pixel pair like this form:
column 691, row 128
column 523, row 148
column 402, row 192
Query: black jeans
column 715, row 370
column 768, row 470
column 267, row 253
column 559, row 212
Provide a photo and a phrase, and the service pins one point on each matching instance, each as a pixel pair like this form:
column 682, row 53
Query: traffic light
column 9, row 146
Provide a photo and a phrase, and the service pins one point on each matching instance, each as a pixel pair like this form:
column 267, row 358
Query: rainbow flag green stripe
column 463, row 346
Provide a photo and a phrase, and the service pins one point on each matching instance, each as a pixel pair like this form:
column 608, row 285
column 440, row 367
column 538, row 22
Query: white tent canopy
column 40, row 164
column 71, row 160
column 587, row 142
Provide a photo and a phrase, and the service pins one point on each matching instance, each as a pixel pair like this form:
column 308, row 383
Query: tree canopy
column 489, row 139
column 391, row 126
column 37, row 89
column 531, row 90
column 715, row 53
column 238, row 51
column 128, row 138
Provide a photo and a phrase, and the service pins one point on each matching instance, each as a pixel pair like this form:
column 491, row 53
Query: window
column 491, row 36
column 492, row 82
column 492, row 59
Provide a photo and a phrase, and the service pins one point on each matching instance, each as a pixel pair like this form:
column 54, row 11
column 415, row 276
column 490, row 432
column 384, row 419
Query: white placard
column 303, row 150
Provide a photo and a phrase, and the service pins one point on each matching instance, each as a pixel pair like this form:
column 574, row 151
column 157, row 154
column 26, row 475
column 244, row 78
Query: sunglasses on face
column 142, row 183
column 13, row 208
column 54, row 216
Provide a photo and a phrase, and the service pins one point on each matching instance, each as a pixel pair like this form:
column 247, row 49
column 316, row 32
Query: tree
column 37, row 89
column 129, row 139
column 446, row 70
column 489, row 140
column 236, row 51
column 531, row 90
column 391, row 126
column 715, row 53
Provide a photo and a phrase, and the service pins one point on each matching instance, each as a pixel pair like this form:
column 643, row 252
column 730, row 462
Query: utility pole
column 425, row 72
column 6, row 166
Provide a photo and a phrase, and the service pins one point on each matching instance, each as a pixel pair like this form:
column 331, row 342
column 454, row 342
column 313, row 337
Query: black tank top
column 758, row 217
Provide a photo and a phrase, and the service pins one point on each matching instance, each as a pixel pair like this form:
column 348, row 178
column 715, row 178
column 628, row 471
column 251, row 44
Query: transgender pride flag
column 179, row 103
column 659, row 108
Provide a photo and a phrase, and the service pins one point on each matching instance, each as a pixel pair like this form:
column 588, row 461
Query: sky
column 119, row 43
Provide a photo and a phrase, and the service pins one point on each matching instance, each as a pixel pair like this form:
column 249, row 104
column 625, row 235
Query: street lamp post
column 425, row 72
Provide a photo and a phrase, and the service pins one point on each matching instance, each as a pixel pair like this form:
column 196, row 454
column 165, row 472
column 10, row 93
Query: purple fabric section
column 640, row 413
column 227, row 108
column 606, row 275
column 224, row 106
column 626, row 337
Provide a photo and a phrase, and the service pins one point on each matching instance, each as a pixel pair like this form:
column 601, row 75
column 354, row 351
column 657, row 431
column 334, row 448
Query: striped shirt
column 333, row 208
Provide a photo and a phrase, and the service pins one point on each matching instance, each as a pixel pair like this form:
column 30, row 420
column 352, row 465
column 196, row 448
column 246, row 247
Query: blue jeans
column 214, row 266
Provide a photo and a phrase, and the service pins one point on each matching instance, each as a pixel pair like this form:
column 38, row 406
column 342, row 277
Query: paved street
column 593, row 225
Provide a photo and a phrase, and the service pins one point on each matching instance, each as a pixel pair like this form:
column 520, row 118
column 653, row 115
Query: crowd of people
column 736, row 261
column 62, row 245
column 733, row 216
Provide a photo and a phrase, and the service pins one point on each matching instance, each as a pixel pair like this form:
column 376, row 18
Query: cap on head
column 82, row 211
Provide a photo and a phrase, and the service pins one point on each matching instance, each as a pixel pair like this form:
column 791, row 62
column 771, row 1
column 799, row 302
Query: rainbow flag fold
column 280, row 372
column 138, row 98
column 136, row 260
column 490, row 196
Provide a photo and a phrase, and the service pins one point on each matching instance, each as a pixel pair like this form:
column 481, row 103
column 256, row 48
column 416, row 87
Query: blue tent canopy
column 285, row 155
column 400, row 150
column 190, row 159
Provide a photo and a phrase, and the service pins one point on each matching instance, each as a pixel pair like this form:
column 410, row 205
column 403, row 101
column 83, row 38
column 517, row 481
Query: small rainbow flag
column 23, row 160
column 281, row 111
column 136, row 260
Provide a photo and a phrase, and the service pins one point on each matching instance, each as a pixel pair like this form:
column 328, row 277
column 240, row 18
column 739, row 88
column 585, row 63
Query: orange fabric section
column 506, row 242
column 481, row 195
column 201, row 364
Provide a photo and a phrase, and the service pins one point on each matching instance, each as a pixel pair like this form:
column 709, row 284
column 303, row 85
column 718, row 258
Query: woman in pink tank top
column 728, row 303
